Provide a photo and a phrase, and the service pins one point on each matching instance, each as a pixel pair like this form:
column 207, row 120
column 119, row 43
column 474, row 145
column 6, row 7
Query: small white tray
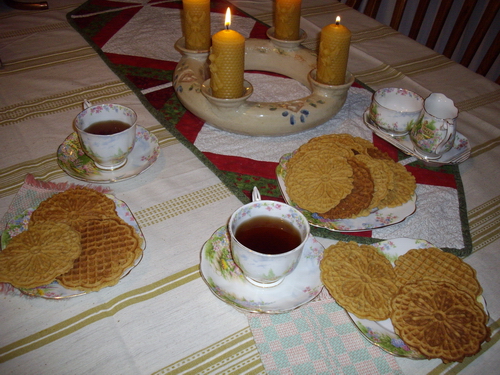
column 458, row 154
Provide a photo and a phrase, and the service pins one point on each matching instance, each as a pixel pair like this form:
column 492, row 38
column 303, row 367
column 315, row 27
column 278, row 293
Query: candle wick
column 227, row 27
column 337, row 22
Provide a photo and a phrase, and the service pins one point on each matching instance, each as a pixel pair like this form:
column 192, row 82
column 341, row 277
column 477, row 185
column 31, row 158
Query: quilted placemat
column 136, row 40
column 318, row 338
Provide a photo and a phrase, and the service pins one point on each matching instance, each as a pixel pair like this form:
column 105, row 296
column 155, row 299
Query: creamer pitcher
column 434, row 133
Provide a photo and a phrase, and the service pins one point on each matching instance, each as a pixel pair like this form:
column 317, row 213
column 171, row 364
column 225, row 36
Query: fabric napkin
column 318, row 338
column 30, row 195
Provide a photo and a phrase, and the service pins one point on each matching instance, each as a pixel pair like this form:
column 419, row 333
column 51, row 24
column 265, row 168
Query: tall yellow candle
column 287, row 19
column 196, row 24
column 333, row 54
column 227, row 63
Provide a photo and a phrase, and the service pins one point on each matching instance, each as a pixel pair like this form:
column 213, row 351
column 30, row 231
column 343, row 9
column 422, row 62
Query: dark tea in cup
column 268, row 235
column 107, row 127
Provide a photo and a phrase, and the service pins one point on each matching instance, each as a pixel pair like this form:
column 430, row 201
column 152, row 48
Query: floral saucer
column 227, row 282
column 54, row 290
column 459, row 152
column 77, row 164
column 378, row 218
column 381, row 333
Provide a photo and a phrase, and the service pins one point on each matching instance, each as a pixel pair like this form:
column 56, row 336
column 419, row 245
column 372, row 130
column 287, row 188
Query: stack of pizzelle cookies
column 430, row 296
column 340, row 176
column 74, row 237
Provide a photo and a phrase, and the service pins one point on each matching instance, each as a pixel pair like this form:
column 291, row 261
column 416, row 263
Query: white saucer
column 55, row 290
column 77, row 164
column 227, row 282
column 378, row 218
column 458, row 153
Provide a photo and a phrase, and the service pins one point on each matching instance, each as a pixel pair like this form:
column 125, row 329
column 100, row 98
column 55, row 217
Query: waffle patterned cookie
column 360, row 279
column 74, row 207
column 319, row 180
column 439, row 320
column 433, row 263
column 38, row 255
column 109, row 247
column 359, row 198
column 316, row 178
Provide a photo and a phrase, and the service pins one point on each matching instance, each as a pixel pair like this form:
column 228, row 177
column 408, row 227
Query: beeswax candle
column 227, row 63
column 196, row 24
column 287, row 19
column 333, row 54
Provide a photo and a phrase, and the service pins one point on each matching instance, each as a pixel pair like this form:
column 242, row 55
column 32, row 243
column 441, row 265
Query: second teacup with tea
column 107, row 134
column 267, row 239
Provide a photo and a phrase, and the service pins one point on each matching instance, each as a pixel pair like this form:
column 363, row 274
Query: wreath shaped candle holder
column 192, row 86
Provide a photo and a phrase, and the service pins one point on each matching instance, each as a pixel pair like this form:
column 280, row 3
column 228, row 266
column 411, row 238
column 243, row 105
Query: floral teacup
column 395, row 110
column 256, row 257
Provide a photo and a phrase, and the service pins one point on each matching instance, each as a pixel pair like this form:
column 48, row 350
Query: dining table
column 168, row 315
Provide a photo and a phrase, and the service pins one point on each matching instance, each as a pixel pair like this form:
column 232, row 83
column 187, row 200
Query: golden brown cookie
column 319, row 180
column 435, row 264
column 403, row 188
column 360, row 197
column 360, row 279
column 38, row 255
column 74, row 207
column 383, row 178
column 439, row 320
column 109, row 247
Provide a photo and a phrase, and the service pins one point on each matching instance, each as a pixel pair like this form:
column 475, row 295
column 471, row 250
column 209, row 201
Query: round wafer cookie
column 435, row 264
column 359, row 198
column 403, row 188
column 360, row 279
column 439, row 320
column 382, row 176
column 74, row 207
column 319, row 180
column 109, row 247
column 38, row 255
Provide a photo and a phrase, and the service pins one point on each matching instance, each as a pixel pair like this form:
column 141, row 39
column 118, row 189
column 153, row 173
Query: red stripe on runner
column 435, row 178
column 242, row 165
column 141, row 62
column 114, row 25
column 190, row 126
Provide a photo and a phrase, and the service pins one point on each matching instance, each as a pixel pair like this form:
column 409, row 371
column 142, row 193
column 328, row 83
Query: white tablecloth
column 162, row 318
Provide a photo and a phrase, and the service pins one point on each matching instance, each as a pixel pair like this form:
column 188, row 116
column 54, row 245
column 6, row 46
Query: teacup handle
column 255, row 194
column 86, row 104
column 450, row 129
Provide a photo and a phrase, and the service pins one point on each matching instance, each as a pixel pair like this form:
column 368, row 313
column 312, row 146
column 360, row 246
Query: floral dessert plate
column 227, row 282
column 381, row 333
column 458, row 153
column 378, row 218
column 55, row 290
column 77, row 164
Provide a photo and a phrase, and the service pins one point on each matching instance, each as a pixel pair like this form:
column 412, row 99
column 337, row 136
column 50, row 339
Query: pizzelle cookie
column 38, row 255
column 359, row 198
column 360, row 279
column 433, row 263
column 439, row 320
column 109, row 247
column 319, row 180
column 74, row 207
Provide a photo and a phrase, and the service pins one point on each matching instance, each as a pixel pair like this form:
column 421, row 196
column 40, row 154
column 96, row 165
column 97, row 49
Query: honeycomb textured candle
column 287, row 19
column 333, row 54
column 227, row 64
column 196, row 18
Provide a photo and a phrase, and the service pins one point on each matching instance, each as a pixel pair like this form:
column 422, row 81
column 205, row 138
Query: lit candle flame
column 337, row 20
column 227, row 23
